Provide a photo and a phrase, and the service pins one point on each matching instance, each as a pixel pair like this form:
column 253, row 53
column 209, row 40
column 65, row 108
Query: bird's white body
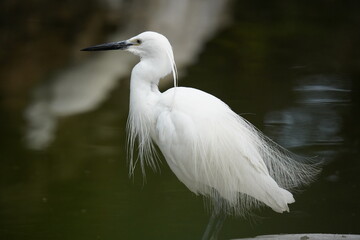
column 211, row 149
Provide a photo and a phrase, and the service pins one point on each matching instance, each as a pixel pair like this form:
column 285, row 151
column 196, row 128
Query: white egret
column 211, row 149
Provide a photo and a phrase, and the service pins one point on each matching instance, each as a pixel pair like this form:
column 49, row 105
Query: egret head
column 146, row 45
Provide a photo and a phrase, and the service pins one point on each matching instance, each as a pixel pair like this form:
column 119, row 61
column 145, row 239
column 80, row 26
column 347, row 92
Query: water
column 292, row 69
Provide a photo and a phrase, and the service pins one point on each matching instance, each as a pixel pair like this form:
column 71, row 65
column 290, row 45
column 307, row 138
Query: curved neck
column 144, row 91
column 144, row 79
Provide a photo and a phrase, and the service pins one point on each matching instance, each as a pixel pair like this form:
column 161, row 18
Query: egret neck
column 145, row 77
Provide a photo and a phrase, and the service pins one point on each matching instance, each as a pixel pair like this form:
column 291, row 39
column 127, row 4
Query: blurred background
column 292, row 68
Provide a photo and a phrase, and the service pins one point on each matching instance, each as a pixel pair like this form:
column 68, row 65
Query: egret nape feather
column 211, row 149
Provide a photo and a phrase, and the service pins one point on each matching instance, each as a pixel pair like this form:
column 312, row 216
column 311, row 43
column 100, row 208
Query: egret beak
column 122, row 45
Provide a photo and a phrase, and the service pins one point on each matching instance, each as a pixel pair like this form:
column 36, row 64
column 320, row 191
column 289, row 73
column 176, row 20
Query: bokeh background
column 292, row 68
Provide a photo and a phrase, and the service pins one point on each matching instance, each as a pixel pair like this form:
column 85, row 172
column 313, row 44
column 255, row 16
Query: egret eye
column 138, row 41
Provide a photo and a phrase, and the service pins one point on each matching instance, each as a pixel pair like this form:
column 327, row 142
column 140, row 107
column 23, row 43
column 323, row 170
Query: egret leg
column 214, row 226
column 216, row 222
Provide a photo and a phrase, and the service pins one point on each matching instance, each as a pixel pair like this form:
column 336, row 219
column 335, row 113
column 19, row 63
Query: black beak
column 122, row 45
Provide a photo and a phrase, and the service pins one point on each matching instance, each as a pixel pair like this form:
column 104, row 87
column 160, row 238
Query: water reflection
column 314, row 120
column 83, row 87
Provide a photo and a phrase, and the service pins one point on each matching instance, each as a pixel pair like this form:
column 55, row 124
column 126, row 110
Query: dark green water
column 292, row 69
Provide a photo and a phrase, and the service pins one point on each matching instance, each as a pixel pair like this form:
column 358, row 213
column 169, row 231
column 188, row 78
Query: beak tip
column 87, row 49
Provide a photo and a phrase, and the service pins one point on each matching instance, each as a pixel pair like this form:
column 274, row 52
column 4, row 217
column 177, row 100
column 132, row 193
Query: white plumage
column 211, row 149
